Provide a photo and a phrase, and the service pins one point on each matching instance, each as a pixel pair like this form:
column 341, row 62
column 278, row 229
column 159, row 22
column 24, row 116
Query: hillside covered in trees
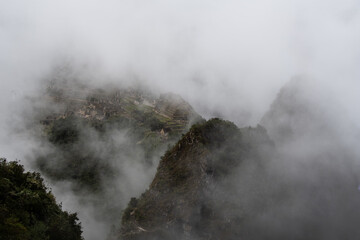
column 29, row 211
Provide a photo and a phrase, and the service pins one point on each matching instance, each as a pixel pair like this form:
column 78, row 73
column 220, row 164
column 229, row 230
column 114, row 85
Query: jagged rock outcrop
column 193, row 195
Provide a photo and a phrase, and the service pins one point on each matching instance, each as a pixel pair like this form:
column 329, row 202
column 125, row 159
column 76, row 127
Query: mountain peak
column 180, row 200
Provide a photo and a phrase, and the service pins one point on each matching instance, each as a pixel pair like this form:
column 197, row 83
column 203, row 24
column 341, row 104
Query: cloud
column 232, row 54
column 227, row 58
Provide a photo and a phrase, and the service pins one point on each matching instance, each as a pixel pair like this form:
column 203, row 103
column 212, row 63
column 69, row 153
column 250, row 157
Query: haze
column 228, row 59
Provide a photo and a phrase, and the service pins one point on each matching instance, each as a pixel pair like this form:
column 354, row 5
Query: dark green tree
column 28, row 211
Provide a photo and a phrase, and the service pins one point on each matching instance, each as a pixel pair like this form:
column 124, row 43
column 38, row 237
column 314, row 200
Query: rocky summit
column 192, row 195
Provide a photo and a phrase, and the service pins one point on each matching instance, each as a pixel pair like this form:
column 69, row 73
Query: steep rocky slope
column 220, row 182
column 193, row 195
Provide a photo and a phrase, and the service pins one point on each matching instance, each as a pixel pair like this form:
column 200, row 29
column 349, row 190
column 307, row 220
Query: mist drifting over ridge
column 228, row 59
column 215, row 48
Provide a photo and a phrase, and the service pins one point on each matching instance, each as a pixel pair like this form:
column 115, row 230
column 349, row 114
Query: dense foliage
column 29, row 211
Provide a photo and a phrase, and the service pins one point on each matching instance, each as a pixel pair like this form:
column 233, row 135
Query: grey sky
column 227, row 58
column 231, row 56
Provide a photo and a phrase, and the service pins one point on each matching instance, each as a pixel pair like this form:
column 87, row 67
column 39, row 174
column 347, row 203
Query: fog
column 228, row 59
column 242, row 53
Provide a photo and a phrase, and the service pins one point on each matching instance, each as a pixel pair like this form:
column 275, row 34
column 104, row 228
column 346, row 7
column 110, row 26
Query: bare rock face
column 193, row 194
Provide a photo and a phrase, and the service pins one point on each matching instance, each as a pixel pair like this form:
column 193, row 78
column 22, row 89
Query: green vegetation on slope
column 96, row 139
column 28, row 211
column 90, row 117
column 182, row 198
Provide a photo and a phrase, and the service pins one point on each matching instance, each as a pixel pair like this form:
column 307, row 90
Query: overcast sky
column 227, row 58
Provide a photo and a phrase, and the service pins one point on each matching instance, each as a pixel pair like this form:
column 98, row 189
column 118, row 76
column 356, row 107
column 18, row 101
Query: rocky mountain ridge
column 181, row 202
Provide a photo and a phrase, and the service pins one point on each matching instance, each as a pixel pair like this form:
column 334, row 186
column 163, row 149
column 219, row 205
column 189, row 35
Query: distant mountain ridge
column 96, row 137
column 151, row 122
column 172, row 112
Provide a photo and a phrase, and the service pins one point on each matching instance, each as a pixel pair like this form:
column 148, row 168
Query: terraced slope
column 105, row 144
column 149, row 123
column 169, row 112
